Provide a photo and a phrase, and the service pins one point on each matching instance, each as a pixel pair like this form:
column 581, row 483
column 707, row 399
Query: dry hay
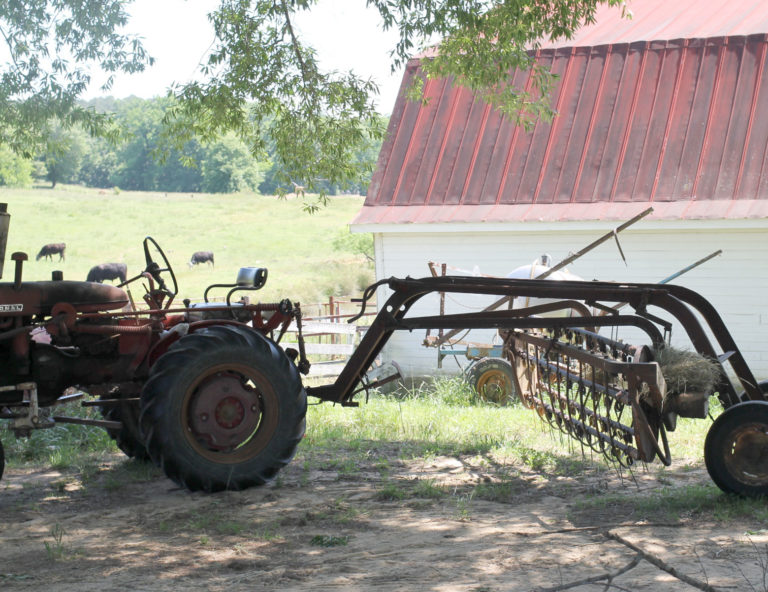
column 687, row 371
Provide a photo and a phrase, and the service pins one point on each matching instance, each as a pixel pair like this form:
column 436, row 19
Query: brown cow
column 107, row 271
column 48, row 251
column 201, row 257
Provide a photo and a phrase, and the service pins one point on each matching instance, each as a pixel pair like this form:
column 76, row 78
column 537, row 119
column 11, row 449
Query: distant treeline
column 139, row 161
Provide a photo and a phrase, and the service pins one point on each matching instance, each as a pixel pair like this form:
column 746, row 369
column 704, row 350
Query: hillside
column 241, row 229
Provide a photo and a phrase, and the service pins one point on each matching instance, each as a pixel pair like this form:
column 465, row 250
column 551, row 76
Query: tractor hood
column 33, row 298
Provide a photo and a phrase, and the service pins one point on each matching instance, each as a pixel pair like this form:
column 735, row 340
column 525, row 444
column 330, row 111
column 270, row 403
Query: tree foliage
column 263, row 84
column 15, row 170
column 64, row 155
column 51, row 47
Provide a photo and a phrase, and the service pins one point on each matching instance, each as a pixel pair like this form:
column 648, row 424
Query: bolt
column 204, row 417
column 253, row 408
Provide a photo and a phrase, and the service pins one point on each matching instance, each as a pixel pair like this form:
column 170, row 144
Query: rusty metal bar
column 99, row 423
column 676, row 300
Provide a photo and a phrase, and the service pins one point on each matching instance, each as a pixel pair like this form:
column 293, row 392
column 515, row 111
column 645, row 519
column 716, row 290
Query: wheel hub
column 493, row 387
column 224, row 412
column 748, row 452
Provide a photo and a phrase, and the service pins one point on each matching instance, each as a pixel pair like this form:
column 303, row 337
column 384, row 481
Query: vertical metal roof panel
column 450, row 144
column 440, row 106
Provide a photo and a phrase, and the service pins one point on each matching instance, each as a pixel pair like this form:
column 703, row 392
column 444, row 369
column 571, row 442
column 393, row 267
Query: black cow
column 48, row 251
column 107, row 271
column 201, row 257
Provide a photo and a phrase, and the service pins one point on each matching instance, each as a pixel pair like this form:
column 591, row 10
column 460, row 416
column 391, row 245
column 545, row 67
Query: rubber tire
column 169, row 435
column 128, row 438
column 496, row 373
column 2, row 459
column 720, row 440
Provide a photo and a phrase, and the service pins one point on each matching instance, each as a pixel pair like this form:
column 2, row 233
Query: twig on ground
column 650, row 558
column 607, row 577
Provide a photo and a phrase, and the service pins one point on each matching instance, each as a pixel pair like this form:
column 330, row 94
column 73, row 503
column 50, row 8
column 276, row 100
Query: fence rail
column 328, row 338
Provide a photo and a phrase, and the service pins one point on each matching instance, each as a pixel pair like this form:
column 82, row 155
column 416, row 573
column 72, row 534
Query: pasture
column 240, row 229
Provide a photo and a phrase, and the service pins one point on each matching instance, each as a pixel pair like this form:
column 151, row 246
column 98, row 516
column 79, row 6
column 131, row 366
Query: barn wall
column 735, row 282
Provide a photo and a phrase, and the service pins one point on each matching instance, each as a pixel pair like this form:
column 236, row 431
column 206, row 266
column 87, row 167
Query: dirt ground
column 322, row 527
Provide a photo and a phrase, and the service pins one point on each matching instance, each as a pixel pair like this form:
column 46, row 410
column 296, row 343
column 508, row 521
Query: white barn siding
column 736, row 282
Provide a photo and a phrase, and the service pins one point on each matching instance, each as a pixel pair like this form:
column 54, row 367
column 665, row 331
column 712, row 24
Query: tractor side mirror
column 252, row 277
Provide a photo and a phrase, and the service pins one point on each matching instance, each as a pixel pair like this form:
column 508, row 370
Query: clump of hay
column 686, row 371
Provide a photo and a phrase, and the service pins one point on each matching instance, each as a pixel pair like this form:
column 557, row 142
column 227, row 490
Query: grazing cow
column 48, row 251
column 201, row 257
column 107, row 271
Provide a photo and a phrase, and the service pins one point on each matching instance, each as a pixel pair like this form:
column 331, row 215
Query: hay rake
column 602, row 393
column 610, row 396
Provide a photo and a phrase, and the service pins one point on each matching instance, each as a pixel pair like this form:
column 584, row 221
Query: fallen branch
column 606, row 577
column 650, row 558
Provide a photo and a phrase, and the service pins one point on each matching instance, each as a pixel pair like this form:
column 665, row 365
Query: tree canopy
column 262, row 83
column 50, row 49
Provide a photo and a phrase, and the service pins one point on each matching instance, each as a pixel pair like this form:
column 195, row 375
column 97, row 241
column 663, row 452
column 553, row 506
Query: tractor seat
column 34, row 298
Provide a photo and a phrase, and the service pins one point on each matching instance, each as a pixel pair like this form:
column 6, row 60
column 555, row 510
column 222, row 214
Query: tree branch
column 295, row 43
column 650, row 558
column 607, row 577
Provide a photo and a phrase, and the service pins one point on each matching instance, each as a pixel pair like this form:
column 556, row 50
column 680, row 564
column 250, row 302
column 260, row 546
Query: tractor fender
column 176, row 332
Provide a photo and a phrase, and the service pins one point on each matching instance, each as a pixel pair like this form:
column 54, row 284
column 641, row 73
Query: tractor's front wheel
column 224, row 408
column 736, row 449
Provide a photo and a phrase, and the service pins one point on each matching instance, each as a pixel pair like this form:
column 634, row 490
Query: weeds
column 499, row 491
column 391, row 492
column 426, row 488
column 463, row 511
column 55, row 550
column 327, row 540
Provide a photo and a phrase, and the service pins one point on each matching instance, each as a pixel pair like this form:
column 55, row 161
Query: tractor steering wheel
column 155, row 270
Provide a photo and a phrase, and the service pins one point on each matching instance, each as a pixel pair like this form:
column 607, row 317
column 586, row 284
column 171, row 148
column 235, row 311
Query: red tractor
column 202, row 390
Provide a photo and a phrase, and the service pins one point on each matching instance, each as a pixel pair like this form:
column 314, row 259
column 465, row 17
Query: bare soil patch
column 327, row 523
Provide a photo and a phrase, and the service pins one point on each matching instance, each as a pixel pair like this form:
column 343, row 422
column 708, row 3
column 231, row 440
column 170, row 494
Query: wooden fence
column 329, row 339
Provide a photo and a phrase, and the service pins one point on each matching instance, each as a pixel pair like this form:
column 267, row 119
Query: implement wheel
column 736, row 449
column 493, row 379
column 223, row 409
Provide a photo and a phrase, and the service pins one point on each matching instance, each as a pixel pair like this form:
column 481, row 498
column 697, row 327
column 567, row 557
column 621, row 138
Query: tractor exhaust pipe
column 5, row 220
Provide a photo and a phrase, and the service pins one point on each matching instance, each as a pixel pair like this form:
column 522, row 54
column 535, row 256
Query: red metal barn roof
column 680, row 122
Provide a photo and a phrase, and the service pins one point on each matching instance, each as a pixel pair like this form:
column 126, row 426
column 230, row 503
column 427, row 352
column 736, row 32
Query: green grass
column 695, row 502
column 241, row 230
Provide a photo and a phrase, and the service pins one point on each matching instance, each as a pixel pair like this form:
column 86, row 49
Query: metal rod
column 99, row 423
column 557, row 267
column 669, row 278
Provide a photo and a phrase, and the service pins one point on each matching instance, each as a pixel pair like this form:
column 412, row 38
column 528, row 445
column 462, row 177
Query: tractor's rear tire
column 224, row 408
column 736, row 449
column 128, row 438
column 493, row 379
